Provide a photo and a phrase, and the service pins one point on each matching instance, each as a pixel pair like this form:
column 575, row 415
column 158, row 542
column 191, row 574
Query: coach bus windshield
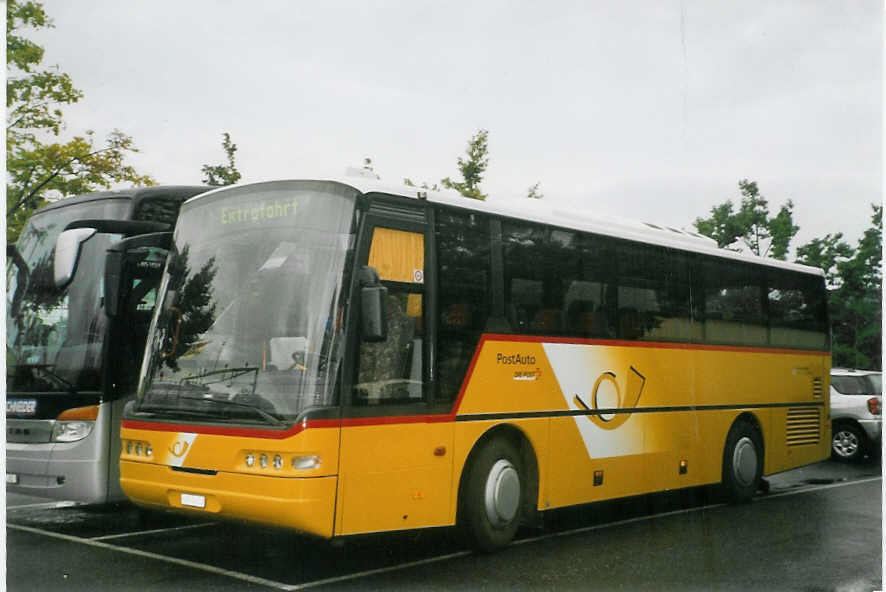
column 249, row 328
column 54, row 338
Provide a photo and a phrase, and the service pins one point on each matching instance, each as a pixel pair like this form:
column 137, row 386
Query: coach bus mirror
column 67, row 252
column 373, row 313
column 373, row 306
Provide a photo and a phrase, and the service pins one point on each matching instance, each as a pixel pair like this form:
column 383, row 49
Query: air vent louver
column 817, row 388
column 803, row 426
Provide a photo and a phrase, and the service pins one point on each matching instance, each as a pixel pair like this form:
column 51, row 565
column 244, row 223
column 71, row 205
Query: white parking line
column 183, row 562
column 96, row 542
column 380, row 570
column 153, row 531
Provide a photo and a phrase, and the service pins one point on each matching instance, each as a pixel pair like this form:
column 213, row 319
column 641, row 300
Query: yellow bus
column 338, row 358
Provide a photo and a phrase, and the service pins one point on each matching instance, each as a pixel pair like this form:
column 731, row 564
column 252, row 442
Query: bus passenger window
column 733, row 304
column 465, row 295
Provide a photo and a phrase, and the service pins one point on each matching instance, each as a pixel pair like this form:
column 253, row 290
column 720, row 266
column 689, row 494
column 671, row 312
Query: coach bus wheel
column 492, row 496
column 847, row 442
column 742, row 462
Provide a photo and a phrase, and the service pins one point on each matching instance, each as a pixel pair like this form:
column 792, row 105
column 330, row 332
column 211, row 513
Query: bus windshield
column 54, row 337
column 249, row 329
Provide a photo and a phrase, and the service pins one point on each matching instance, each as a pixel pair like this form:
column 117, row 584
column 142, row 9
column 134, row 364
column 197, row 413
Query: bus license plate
column 21, row 407
column 195, row 501
column 12, row 478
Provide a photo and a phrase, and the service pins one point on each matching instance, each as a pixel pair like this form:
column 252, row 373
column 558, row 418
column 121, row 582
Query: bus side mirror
column 373, row 307
column 67, row 254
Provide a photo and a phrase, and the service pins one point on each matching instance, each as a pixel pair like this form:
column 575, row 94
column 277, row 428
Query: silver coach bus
column 71, row 361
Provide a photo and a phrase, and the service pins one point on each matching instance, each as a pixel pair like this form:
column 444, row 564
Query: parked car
column 856, row 413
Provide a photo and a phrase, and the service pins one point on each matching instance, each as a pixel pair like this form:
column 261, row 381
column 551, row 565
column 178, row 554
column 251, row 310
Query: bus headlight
column 71, row 431
column 74, row 424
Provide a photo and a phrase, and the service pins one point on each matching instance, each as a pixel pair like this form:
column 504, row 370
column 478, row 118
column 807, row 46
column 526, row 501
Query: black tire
column 492, row 495
column 848, row 442
column 742, row 462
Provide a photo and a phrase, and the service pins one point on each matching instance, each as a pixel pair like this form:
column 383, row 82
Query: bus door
column 396, row 447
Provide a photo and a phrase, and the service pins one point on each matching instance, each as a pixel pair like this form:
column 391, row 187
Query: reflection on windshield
column 54, row 337
column 250, row 310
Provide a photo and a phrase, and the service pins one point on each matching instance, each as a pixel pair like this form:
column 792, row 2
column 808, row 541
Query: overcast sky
column 650, row 110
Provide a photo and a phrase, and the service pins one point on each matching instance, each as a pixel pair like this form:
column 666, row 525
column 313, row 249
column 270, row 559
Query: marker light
column 89, row 413
column 138, row 449
column 305, row 462
column 875, row 406
column 278, row 462
column 250, row 459
column 263, row 461
column 148, row 450
column 129, row 447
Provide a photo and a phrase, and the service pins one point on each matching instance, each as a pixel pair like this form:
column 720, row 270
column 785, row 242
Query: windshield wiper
column 268, row 417
column 265, row 415
column 235, row 372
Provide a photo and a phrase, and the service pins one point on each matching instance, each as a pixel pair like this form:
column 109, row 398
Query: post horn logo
column 610, row 418
column 179, row 449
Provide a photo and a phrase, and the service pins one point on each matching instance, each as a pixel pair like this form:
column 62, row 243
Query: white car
column 856, row 413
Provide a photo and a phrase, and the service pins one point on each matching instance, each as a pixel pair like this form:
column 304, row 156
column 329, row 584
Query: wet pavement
column 818, row 528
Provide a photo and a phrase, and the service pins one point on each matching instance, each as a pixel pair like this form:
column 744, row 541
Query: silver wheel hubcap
column 744, row 461
column 845, row 443
column 502, row 493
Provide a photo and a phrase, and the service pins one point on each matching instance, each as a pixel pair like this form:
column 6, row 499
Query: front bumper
column 55, row 471
column 304, row 504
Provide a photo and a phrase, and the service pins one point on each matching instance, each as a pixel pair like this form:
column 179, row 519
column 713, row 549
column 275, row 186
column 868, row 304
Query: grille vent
column 817, row 388
column 803, row 426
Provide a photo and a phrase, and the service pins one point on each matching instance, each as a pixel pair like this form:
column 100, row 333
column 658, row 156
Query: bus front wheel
column 492, row 496
column 742, row 461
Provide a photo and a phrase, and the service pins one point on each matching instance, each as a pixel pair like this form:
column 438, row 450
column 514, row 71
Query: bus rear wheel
column 742, row 462
column 492, row 496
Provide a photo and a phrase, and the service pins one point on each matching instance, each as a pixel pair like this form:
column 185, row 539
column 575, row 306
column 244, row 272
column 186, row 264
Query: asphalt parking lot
column 818, row 528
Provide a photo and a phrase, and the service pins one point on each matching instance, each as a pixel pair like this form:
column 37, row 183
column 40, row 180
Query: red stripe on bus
column 394, row 419
column 230, row 431
column 279, row 435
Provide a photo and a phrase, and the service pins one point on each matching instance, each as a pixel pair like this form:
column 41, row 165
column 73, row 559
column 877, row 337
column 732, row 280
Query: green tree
column 825, row 253
column 854, row 280
column 534, row 193
column 752, row 224
column 37, row 168
column 223, row 174
column 473, row 168
column 857, row 304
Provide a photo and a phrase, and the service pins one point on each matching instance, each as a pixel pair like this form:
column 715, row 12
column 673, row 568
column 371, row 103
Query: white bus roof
column 541, row 211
